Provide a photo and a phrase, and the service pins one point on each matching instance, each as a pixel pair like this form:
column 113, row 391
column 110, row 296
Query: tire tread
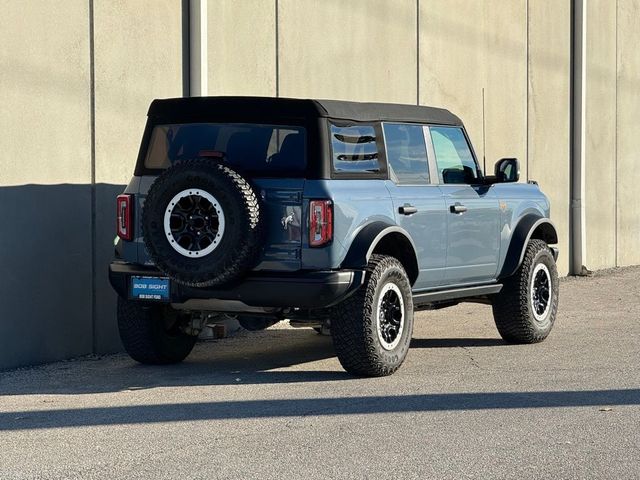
column 139, row 338
column 353, row 337
column 511, row 310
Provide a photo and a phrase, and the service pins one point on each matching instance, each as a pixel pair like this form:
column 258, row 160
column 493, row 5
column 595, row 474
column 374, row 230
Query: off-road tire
column 354, row 323
column 513, row 308
column 150, row 334
column 241, row 242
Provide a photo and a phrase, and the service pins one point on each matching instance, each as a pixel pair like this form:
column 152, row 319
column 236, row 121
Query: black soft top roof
column 268, row 108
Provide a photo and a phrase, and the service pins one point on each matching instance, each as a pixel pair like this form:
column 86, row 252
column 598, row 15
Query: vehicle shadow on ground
column 284, row 408
column 247, row 358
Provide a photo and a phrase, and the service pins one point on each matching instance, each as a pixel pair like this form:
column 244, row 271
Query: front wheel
column 525, row 310
column 152, row 334
column 372, row 329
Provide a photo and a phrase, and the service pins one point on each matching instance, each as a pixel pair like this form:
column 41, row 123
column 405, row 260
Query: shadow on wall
column 47, row 286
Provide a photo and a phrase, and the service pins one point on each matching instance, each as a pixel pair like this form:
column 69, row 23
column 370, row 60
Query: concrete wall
column 600, row 118
column 627, row 133
column 58, row 225
column 612, row 128
column 366, row 52
column 76, row 78
column 242, row 47
column 45, row 312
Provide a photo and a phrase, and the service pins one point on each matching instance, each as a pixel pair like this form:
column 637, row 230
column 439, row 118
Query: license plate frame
column 157, row 289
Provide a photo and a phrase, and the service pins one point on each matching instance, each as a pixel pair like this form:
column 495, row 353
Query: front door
column 473, row 213
column 418, row 203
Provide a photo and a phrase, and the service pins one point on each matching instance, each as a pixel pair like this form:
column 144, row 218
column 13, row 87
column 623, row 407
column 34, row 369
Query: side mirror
column 507, row 170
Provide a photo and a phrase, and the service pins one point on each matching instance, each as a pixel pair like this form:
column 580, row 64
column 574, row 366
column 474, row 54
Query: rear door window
column 406, row 153
column 355, row 150
column 253, row 148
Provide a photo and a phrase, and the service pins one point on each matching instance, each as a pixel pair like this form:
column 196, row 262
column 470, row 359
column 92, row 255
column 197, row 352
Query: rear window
column 260, row 149
column 355, row 149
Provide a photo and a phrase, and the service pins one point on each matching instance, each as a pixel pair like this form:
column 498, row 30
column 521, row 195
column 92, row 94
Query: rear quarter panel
column 356, row 203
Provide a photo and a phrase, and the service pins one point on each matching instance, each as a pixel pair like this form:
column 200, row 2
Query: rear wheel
column 525, row 310
column 372, row 329
column 152, row 334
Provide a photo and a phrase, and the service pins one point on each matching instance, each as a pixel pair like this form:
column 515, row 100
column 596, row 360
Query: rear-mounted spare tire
column 202, row 224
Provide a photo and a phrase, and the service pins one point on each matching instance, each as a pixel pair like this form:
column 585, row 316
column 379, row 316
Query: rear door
column 271, row 157
column 282, row 207
column 472, row 209
column 418, row 203
column 281, row 151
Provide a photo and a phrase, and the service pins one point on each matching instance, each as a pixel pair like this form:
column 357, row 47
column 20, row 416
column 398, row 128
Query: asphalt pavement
column 276, row 404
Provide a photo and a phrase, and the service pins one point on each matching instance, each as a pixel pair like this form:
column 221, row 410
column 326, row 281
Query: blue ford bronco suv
column 341, row 216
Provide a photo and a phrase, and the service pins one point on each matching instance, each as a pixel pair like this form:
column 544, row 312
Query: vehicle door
column 418, row 203
column 473, row 214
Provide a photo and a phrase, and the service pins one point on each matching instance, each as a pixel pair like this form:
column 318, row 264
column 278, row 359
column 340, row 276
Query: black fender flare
column 368, row 238
column 524, row 231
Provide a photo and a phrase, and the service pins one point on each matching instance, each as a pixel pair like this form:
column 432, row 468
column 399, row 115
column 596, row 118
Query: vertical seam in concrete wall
column 198, row 55
column 92, row 116
column 578, row 232
column 417, row 52
column 615, row 149
column 186, row 50
column 277, row 45
column 526, row 122
column 572, row 125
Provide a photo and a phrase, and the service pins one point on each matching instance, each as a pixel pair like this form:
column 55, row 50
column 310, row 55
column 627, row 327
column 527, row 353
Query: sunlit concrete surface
column 364, row 52
column 276, row 404
column 242, row 47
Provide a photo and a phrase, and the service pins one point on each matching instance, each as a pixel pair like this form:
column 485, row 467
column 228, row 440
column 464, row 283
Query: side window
column 406, row 153
column 453, row 156
column 354, row 149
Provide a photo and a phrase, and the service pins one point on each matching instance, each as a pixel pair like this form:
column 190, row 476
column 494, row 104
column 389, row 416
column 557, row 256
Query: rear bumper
column 275, row 290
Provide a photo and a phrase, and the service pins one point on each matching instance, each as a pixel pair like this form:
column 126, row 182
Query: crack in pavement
column 470, row 356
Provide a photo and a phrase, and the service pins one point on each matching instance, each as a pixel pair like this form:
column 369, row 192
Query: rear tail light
column 320, row 222
column 125, row 216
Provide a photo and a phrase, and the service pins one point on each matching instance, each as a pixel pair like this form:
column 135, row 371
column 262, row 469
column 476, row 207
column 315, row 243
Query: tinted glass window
column 453, row 155
column 261, row 149
column 354, row 149
column 406, row 153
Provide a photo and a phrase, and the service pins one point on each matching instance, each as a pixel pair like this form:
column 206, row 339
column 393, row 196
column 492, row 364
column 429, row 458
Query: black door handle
column 407, row 209
column 457, row 208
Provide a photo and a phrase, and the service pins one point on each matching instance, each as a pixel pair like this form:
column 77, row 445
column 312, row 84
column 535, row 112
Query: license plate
column 150, row 288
